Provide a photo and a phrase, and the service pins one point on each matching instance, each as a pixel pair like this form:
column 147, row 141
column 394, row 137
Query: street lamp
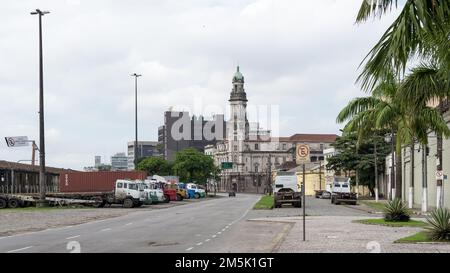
column 135, row 120
column 41, row 112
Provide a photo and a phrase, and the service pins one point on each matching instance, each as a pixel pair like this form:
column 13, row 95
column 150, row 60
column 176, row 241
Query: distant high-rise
column 145, row 149
column 119, row 162
column 98, row 161
column 181, row 131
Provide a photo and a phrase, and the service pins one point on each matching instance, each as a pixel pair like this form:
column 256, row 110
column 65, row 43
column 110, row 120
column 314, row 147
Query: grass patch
column 266, row 202
column 382, row 222
column 420, row 237
column 374, row 205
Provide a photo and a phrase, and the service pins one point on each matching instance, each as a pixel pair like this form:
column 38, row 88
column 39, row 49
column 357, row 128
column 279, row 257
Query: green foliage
column 439, row 221
column 155, row 165
column 382, row 222
column 193, row 166
column 360, row 157
column 396, row 211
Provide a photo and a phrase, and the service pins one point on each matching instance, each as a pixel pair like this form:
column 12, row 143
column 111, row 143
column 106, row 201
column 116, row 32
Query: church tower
column 238, row 126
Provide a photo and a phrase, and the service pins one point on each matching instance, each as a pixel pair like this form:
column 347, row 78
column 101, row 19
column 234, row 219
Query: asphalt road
column 217, row 225
column 177, row 229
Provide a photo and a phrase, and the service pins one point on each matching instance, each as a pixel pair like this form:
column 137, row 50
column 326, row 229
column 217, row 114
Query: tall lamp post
column 41, row 112
column 390, row 138
column 135, row 121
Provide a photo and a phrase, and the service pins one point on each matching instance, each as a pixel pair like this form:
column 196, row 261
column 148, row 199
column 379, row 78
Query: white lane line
column 189, row 249
column 199, row 244
column 20, row 249
column 207, row 240
column 129, row 224
column 223, row 229
column 214, row 236
column 219, row 232
column 73, row 237
column 106, row 229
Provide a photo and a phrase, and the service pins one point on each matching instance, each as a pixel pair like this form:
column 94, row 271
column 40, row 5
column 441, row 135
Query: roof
column 28, row 167
column 238, row 76
column 313, row 138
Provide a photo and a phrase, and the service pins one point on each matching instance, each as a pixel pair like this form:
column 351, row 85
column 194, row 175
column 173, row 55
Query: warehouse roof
column 7, row 165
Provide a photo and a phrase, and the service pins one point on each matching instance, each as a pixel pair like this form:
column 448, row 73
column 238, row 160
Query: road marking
column 20, row 249
column 219, row 232
column 223, row 229
column 129, row 224
column 199, row 244
column 214, row 236
column 207, row 240
column 73, row 237
column 189, row 249
column 106, row 229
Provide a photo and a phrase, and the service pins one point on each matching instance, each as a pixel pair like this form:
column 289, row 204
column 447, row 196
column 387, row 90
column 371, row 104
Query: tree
column 359, row 156
column 405, row 38
column 155, row 165
column 193, row 166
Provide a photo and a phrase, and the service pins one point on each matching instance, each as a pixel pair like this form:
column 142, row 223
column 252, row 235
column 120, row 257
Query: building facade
column 181, row 131
column 145, row 149
column 250, row 156
column 119, row 162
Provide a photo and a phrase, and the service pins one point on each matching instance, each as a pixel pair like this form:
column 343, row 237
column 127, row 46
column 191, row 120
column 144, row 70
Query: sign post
column 302, row 157
column 17, row 141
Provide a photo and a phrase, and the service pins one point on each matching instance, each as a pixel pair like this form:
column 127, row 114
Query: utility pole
column 135, row 121
column 41, row 113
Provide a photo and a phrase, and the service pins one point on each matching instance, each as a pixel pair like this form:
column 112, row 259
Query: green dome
column 238, row 76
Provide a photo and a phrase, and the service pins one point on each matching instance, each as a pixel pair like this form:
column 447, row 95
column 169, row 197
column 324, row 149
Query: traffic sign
column 18, row 141
column 439, row 175
column 227, row 165
column 302, row 153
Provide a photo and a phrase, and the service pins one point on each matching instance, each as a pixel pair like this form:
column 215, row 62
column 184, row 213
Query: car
column 325, row 195
column 318, row 193
column 232, row 193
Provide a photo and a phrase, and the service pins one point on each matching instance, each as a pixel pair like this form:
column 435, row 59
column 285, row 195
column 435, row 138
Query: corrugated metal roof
column 28, row 167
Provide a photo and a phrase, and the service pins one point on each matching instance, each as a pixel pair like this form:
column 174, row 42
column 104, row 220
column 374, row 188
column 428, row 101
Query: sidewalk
column 339, row 234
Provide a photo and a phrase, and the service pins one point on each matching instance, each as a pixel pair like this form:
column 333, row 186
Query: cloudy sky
column 301, row 56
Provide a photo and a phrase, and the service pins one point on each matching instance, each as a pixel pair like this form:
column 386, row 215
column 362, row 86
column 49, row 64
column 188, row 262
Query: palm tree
column 382, row 110
column 404, row 39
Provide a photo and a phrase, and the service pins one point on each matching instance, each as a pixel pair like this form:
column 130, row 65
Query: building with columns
column 253, row 153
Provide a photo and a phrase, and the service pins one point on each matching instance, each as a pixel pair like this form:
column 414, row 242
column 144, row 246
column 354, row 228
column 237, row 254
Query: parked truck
column 341, row 192
column 287, row 190
column 126, row 192
column 88, row 188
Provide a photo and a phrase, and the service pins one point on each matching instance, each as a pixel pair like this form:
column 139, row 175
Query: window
column 321, row 146
column 235, row 137
column 119, row 185
column 284, row 146
column 133, row 187
column 235, row 148
column 125, row 185
column 256, row 146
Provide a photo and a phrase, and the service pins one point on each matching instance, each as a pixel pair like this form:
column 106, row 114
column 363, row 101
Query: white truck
column 341, row 193
column 153, row 187
column 287, row 190
column 126, row 192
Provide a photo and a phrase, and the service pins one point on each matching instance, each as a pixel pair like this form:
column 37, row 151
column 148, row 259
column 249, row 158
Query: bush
column 439, row 229
column 396, row 211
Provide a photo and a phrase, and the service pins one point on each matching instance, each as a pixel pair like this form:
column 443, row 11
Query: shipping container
column 95, row 181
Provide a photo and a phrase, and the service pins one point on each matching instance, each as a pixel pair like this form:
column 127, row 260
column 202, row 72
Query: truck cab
column 341, row 192
column 287, row 190
column 152, row 186
column 192, row 190
column 129, row 193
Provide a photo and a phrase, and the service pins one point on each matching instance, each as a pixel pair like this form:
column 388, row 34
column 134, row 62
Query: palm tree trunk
column 398, row 169
column 411, row 185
